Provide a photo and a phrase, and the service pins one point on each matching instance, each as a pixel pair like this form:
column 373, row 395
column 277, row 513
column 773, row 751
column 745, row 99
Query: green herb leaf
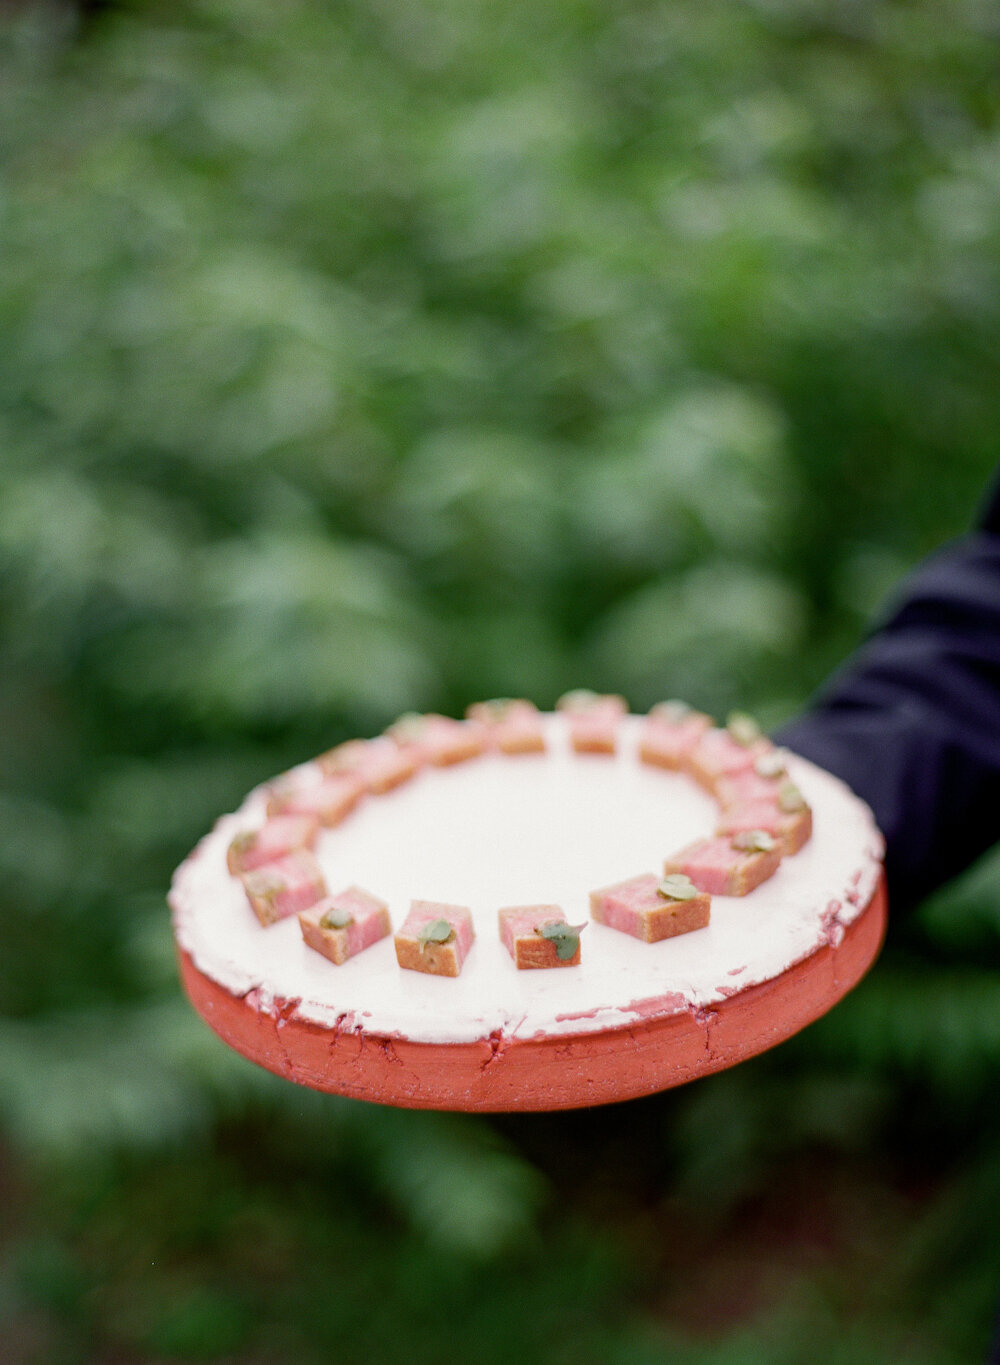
column 580, row 699
column 790, row 799
column 753, row 841
column 497, row 707
column 771, row 765
column 263, row 881
column 677, row 887
column 672, row 712
column 435, row 931
column 262, row 885
column 408, row 728
column 742, row 728
column 337, row 918
column 565, row 936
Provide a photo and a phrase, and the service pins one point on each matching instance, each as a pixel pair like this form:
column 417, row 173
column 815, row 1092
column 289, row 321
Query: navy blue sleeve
column 912, row 722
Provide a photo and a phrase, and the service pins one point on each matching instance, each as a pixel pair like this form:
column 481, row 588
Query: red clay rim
column 498, row 1073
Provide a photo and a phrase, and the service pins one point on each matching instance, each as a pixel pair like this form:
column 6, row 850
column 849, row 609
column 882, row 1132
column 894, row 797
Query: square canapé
column 278, row 835
column 669, row 734
column 343, row 925
column 593, row 719
column 438, row 740
column 509, row 726
column 329, row 798
column 792, row 829
column 379, row 764
column 284, row 887
column 652, row 908
column 435, row 938
column 539, row 936
column 728, row 866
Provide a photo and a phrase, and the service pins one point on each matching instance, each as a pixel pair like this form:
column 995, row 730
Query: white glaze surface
column 499, row 831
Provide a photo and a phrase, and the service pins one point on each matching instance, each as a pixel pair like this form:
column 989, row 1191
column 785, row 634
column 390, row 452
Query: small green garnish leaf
column 497, row 707
column 742, row 728
column 580, row 699
column 677, row 887
column 337, row 918
column 409, row 728
column 262, row 885
column 753, row 841
column 790, row 799
column 673, row 712
column 771, row 765
column 262, row 880
column 346, row 757
column 435, row 931
column 566, row 937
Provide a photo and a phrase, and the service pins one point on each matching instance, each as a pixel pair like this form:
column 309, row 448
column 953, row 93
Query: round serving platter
column 633, row 1018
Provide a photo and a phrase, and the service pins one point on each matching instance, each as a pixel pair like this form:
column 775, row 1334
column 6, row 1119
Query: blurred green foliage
column 378, row 355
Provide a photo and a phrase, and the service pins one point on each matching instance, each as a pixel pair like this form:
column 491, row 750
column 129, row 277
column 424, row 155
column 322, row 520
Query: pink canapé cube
column 332, row 797
column 669, row 735
column 637, row 907
column 343, row 925
column 717, row 754
column 792, row 829
column 439, row 740
column 519, row 931
column 593, row 719
column 512, row 727
column 738, row 788
column 436, row 955
column 378, row 763
column 284, row 887
column 277, row 836
column 715, row 866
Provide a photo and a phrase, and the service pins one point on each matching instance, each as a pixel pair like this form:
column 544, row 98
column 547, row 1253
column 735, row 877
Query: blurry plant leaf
column 455, row 1182
column 482, row 505
column 710, row 634
column 709, row 471
column 939, row 1026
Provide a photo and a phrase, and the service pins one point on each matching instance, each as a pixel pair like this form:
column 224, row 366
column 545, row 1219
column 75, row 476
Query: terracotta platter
column 503, row 830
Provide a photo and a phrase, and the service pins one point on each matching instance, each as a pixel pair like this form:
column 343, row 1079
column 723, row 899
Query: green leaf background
column 364, row 357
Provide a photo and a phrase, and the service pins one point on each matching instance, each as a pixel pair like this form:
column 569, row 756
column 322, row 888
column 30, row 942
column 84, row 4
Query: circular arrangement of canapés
column 762, row 818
